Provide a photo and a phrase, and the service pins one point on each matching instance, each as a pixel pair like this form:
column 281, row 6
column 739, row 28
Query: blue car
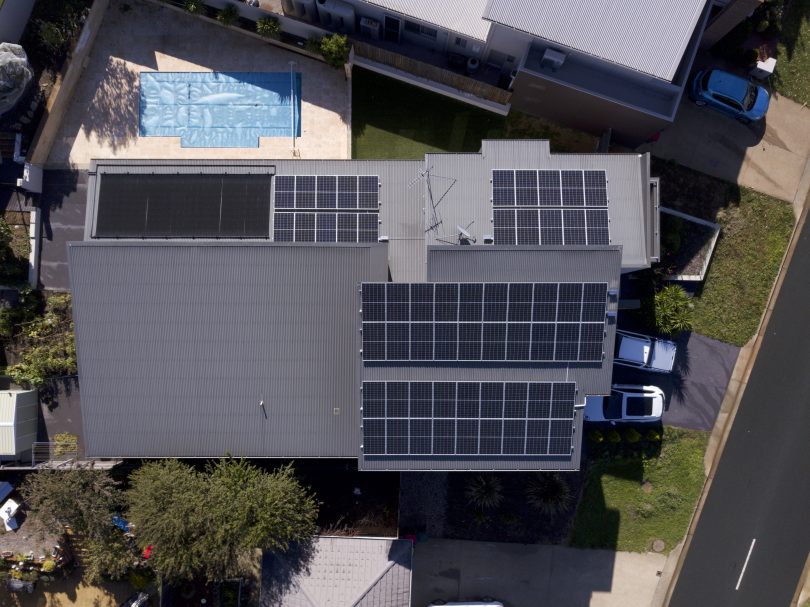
column 738, row 97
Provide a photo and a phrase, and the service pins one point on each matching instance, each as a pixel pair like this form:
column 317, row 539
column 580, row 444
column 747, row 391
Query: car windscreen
column 639, row 406
column 750, row 97
column 612, row 406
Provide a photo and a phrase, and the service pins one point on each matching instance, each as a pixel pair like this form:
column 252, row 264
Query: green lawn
column 391, row 119
column 755, row 231
column 793, row 53
column 618, row 514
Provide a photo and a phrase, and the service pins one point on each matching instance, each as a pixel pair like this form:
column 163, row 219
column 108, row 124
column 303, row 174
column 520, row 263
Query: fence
column 431, row 72
column 54, row 454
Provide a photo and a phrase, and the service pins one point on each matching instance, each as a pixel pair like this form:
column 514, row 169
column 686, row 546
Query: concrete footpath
column 522, row 575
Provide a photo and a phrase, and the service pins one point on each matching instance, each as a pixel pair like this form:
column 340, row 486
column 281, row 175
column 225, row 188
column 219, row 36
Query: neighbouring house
column 14, row 15
column 19, row 414
column 596, row 65
column 340, row 572
column 446, row 314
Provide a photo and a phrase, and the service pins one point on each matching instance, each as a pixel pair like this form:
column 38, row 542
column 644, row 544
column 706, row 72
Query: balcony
column 653, row 97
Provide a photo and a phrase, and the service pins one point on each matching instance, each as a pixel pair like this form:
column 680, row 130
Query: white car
column 643, row 352
column 626, row 404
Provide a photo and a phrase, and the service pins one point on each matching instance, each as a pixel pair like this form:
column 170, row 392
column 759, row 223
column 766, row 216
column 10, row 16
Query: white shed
column 19, row 411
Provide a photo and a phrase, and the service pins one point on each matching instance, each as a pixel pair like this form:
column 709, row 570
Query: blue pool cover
column 220, row 109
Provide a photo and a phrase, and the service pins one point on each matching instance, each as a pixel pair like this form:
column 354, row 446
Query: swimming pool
column 220, row 109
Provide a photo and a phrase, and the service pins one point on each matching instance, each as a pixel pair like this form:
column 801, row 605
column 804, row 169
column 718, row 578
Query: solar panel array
column 468, row 418
column 483, row 321
column 550, row 207
column 326, row 208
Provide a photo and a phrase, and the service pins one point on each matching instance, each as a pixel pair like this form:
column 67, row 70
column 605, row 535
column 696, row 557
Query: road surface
column 753, row 536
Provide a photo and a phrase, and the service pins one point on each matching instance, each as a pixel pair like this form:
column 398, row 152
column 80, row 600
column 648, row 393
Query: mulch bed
column 690, row 245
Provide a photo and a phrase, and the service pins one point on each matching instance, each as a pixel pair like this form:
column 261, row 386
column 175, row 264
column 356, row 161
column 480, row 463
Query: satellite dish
column 463, row 232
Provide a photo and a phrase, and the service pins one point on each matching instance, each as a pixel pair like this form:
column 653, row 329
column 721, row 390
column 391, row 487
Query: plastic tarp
column 15, row 75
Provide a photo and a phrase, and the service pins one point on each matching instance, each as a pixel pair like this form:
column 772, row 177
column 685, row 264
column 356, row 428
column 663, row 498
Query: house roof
column 460, row 17
column 179, row 342
column 342, row 572
column 650, row 37
column 19, row 410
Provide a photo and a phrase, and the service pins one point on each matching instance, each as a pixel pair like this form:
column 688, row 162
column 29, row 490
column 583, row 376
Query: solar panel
column 527, row 207
column 468, row 418
column 483, row 321
column 325, row 227
column 327, row 192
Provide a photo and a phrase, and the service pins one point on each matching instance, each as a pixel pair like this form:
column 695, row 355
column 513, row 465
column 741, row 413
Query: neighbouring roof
column 461, row 17
column 342, row 572
column 179, row 342
column 650, row 37
column 19, row 411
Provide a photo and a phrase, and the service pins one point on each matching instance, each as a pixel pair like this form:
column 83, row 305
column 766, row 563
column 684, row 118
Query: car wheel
column 743, row 120
column 700, row 102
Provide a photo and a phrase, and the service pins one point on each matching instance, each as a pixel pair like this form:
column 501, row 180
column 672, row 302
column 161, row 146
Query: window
column 415, row 28
column 461, row 42
column 727, row 101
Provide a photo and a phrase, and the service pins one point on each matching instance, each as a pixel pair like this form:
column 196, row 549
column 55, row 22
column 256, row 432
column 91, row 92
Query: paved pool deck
column 102, row 121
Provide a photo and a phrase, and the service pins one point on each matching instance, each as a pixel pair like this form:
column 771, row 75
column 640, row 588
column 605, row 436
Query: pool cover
column 220, row 109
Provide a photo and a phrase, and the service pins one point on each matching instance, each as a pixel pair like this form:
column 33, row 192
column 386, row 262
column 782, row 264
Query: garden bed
column 687, row 244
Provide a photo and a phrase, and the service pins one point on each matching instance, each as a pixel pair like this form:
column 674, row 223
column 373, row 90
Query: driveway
column 532, row 575
column 771, row 157
column 696, row 389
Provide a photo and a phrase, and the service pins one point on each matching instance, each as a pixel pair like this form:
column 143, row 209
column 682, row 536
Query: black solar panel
column 315, row 226
column 538, row 218
column 183, row 206
column 468, row 418
column 483, row 321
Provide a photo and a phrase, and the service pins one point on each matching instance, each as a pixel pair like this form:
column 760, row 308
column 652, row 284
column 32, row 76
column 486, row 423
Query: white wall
column 13, row 17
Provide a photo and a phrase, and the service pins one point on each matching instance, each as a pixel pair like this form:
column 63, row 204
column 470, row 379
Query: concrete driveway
column 771, row 157
column 532, row 575
column 696, row 389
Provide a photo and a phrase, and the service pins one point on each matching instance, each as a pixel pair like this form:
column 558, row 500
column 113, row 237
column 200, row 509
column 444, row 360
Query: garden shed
column 19, row 410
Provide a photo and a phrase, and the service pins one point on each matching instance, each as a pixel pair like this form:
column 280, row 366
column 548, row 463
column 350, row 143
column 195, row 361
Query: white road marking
column 745, row 564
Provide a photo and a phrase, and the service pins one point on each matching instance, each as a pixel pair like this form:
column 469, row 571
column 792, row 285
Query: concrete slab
column 771, row 157
column 102, row 121
column 520, row 575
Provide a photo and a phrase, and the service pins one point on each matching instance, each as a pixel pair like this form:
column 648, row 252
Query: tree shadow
column 112, row 114
column 280, row 570
column 796, row 15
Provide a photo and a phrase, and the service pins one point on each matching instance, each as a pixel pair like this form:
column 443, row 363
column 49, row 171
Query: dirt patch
column 685, row 245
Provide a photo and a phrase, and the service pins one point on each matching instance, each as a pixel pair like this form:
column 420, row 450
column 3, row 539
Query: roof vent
column 552, row 59
column 488, row 239
column 382, row 239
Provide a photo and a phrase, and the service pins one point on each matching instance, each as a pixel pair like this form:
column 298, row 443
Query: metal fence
column 431, row 72
column 54, row 454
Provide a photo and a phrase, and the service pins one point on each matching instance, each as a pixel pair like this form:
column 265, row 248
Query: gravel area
column 423, row 502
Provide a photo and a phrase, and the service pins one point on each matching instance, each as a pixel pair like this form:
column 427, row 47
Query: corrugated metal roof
column 463, row 17
column 650, row 37
column 511, row 264
column 178, row 342
column 343, row 572
column 462, row 190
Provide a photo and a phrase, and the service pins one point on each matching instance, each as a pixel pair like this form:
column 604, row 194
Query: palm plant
column 673, row 310
column 484, row 491
column 549, row 493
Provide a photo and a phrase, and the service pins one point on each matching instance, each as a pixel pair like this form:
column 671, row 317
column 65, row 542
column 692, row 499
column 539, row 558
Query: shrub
column 48, row 566
column 65, row 443
column 335, row 49
column 596, row 436
column 313, row 45
column 749, row 56
column 140, row 579
column 673, row 310
column 672, row 235
column 195, row 7
column 631, row 435
column 268, row 27
column 549, row 493
column 614, row 437
column 653, row 435
column 228, row 15
column 763, row 25
column 484, row 491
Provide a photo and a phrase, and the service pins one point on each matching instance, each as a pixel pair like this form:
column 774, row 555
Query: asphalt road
column 758, row 507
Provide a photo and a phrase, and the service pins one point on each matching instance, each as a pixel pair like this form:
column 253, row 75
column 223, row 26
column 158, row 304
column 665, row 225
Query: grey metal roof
column 511, row 264
column 343, row 572
column 650, row 37
column 461, row 190
column 178, row 342
column 463, row 17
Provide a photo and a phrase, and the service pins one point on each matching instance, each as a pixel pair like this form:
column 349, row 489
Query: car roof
column 729, row 85
column 634, row 348
column 663, row 355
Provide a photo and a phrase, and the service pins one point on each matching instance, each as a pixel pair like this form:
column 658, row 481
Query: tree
column 46, row 345
column 210, row 523
column 673, row 310
column 335, row 49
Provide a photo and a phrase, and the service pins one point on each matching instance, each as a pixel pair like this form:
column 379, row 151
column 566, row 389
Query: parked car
column 730, row 94
column 139, row 599
column 643, row 352
column 626, row 403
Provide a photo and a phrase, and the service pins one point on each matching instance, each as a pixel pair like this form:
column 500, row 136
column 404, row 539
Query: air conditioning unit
column 370, row 28
column 552, row 59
